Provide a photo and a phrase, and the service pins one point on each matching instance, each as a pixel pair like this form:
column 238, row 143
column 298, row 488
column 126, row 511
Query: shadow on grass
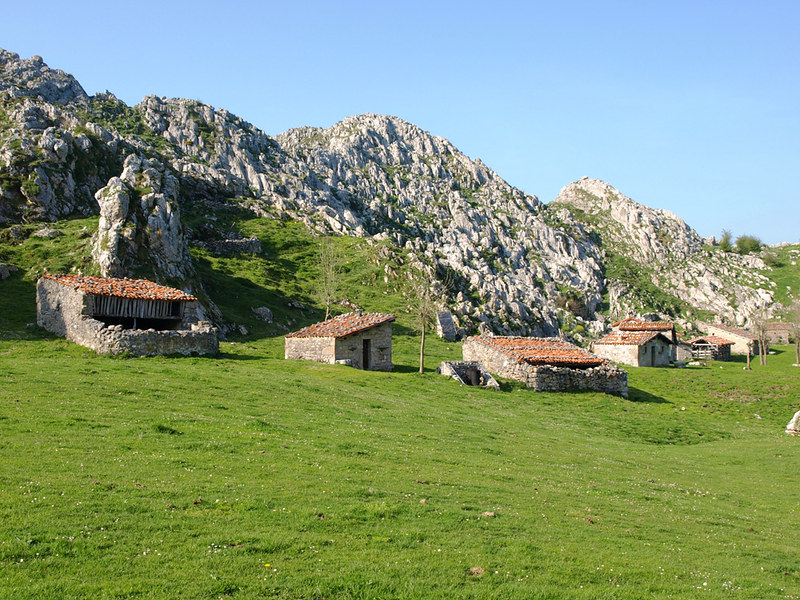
column 637, row 395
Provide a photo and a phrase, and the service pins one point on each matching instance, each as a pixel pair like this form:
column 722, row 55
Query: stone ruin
column 468, row 372
column 112, row 316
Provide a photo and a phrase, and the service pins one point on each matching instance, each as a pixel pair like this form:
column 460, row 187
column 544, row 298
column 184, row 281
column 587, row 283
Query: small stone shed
column 711, row 347
column 779, row 332
column 363, row 341
column 112, row 315
column 636, row 348
column 740, row 337
column 546, row 364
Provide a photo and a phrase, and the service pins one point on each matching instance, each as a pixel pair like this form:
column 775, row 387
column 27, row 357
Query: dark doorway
column 652, row 356
column 472, row 376
column 365, row 355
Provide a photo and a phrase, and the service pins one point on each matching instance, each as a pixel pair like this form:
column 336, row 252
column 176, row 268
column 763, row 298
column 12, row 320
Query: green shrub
column 747, row 244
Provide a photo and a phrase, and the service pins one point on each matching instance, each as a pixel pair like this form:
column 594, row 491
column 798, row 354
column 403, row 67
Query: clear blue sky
column 689, row 106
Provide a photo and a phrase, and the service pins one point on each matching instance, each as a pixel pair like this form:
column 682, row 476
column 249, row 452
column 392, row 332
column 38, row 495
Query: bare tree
column 760, row 331
column 427, row 290
column 794, row 330
column 330, row 269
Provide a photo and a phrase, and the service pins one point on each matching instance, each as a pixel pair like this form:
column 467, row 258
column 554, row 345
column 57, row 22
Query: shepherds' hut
column 363, row 341
column 111, row 315
column 546, row 364
column 711, row 347
column 741, row 338
column 636, row 348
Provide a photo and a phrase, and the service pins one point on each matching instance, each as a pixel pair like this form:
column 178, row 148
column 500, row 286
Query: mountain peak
column 32, row 77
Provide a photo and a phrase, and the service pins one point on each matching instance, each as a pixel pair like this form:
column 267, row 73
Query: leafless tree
column 330, row 269
column 427, row 291
column 760, row 331
column 794, row 330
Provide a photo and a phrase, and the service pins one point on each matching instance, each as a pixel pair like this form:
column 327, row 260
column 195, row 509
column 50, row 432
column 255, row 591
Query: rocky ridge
column 522, row 267
column 660, row 247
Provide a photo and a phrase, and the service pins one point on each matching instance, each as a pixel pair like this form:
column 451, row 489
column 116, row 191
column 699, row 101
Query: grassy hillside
column 248, row 476
column 785, row 273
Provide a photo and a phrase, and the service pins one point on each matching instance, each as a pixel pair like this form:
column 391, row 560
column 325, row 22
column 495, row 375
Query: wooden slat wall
column 114, row 306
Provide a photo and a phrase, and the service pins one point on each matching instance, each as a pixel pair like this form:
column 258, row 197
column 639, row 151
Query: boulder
column 793, row 427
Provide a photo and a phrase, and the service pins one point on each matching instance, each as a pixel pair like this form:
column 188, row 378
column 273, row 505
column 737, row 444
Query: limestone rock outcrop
column 520, row 266
column 140, row 222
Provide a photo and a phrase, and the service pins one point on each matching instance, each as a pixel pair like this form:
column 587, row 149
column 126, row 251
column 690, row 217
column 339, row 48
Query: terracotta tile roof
column 629, row 338
column 733, row 330
column 542, row 351
column 140, row 289
column 634, row 324
column 344, row 325
column 711, row 339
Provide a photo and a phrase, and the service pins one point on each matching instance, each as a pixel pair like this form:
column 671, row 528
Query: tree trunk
column 797, row 351
column 422, row 351
column 749, row 352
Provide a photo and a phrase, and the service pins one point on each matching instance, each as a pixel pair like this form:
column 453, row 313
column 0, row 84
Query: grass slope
column 249, row 476
column 245, row 475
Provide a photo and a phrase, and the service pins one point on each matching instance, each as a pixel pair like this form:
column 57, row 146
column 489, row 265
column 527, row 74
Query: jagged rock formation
column 140, row 223
column 520, row 267
column 652, row 246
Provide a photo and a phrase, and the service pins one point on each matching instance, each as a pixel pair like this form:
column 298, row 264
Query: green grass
column 785, row 274
column 176, row 477
column 184, row 477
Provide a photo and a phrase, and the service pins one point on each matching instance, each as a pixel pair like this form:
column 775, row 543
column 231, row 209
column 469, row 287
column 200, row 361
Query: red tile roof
column 629, row 338
column 344, row 325
column 711, row 339
column 542, row 351
column 140, row 289
column 634, row 324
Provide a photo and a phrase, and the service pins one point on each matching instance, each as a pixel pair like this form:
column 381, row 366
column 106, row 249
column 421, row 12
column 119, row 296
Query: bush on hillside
column 747, row 244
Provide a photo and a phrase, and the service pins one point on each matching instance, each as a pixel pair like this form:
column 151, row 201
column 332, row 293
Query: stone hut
column 711, row 347
column 636, row 348
column 111, row 316
column 740, row 337
column 779, row 332
column 363, row 341
column 546, row 364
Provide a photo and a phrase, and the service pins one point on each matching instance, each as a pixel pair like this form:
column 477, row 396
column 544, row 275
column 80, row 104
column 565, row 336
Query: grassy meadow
column 248, row 476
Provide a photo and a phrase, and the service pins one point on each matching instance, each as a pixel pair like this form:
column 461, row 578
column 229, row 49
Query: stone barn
column 111, row 316
column 636, row 348
column 363, row 341
column 741, row 338
column 546, row 364
column 711, row 347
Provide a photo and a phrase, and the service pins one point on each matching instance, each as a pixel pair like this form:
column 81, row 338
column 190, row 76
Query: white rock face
column 666, row 251
column 139, row 217
column 521, row 267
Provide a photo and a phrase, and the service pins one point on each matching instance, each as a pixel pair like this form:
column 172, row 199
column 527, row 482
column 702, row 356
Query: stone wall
column 380, row 344
column 320, row 349
column 638, row 355
column 349, row 349
column 605, row 378
column 627, row 354
column 66, row 312
column 739, row 341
